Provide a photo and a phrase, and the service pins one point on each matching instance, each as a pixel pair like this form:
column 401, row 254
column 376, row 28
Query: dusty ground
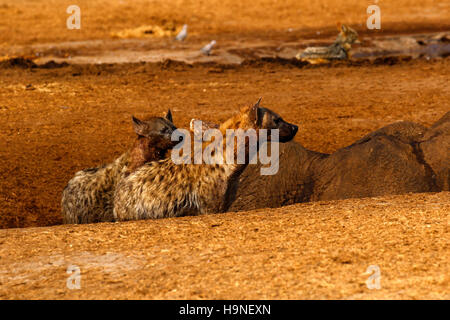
column 313, row 250
column 60, row 120
column 28, row 22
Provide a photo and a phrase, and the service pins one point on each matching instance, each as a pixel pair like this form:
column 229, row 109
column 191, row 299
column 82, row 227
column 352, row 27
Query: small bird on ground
column 182, row 34
column 207, row 49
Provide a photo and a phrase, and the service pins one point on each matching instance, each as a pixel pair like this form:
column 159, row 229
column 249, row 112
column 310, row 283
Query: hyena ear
column 168, row 115
column 255, row 113
column 344, row 28
column 138, row 126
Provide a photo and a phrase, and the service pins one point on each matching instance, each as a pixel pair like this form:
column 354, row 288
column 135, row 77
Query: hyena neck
column 233, row 174
column 144, row 151
column 199, row 147
column 238, row 121
column 232, row 170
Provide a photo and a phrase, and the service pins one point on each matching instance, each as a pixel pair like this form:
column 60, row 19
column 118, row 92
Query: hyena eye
column 165, row 130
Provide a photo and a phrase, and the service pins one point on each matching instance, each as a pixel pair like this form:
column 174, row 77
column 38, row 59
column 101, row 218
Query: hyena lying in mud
column 88, row 197
column 339, row 50
column 400, row 158
column 166, row 189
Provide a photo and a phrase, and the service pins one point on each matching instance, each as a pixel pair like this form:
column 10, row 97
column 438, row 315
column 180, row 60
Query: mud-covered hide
column 405, row 131
column 291, row 184
column 435, row 145
column 378, row 165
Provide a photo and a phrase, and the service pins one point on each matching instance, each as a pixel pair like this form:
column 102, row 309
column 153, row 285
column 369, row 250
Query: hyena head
column 257, row 117
column 153, row 139
column 347, row 35
column 156, row 130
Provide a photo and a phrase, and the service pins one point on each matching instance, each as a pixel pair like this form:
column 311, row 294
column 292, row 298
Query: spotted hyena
column 88, row 196
column 166, row 189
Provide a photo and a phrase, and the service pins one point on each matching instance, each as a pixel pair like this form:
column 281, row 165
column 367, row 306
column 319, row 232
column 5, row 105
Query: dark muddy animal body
column 400, row 158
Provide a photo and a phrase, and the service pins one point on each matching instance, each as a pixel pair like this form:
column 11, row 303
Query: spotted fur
column 88, row 196
column 165, row 189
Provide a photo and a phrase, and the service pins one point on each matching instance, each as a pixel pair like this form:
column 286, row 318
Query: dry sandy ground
column 60, row 120
column 315, row 250
column 28, row 22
